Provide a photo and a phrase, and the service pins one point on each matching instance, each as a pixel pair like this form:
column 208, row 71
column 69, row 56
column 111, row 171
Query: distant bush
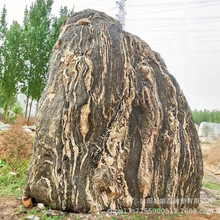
column 16, row 108
column 2, row 100
column 206, row 116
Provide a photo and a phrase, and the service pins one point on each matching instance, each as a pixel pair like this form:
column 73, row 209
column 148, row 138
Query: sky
column 185, row 32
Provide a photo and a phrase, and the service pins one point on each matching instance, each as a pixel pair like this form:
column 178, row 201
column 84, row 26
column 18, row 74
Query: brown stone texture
column 114, row 128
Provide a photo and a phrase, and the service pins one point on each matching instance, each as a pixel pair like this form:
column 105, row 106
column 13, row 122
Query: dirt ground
column 18, row 141
column 9, row 207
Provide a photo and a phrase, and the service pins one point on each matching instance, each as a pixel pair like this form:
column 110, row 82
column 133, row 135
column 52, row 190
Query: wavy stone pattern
column 114, row 128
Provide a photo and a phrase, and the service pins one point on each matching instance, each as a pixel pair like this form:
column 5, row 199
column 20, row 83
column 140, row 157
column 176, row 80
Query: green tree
column 25, row 51
column 41, row 31
column 3, row 30
column 58, row 21
column 3, row 24
column 11, row 67
column 37, row 48
column 206, row 116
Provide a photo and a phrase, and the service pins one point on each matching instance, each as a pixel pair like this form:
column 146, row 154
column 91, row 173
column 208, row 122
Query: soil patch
column 9, row 207
column 15, row 143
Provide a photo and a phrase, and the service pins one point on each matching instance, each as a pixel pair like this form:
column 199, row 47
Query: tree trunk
column 30, row 112
column 26, row 108
column 6, row 109
column 114, row 130
column 7, row 106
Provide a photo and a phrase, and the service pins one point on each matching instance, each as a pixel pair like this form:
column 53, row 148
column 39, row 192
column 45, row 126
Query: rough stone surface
column 4, row 127
column 40, row 206
column 197, row 127
column 114, row 128
column 11, row 113
column 52, row 213
column 32, row 217
column 27, row 202
column 26, row 128
column 209, row 132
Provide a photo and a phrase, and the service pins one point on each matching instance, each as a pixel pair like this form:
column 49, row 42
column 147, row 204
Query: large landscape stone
column 209, row 132
column 114, row 130
column 208, row 129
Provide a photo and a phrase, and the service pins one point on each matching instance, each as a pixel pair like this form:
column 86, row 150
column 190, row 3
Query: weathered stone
column 79, row 216
column 4, row 127
column 26, row 128
column 32, row 217
column 54, row 213
column 27, row 202
column 197, row 127
column 40, row 206
column 114, row 128
column 209, row 132
column 11, row 113
column 32, row 128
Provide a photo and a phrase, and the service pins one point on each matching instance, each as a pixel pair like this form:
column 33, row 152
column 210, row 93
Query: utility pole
column 120, row 16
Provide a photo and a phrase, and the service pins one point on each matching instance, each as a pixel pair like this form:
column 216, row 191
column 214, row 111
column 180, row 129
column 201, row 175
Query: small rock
column 209, row 211
column 12, row 173
column 1, row 111
column 27, row 129
column 33, row 127
column 107, row 215
column 77, row 216
column 11, row 113
column 19, row 198
column 40, row 206
column 50, row 213
column 27, row 202
column 54, row 213
column 32, row 217
column 4, row 127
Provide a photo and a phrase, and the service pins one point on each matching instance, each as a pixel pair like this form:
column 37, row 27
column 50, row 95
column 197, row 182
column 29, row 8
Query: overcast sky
column 185, row 32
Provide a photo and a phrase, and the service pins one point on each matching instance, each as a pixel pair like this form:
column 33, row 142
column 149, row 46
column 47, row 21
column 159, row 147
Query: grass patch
column 2, row 133
column 209, row 185
column 42, row 215
column 140, row 217
column 12, row 177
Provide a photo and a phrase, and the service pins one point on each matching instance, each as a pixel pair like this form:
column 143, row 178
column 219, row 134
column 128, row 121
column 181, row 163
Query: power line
column 174, row 19
column 190, row 30
column 207, row 36
column 168, row 4
column 210, row 51
column 207, row 41
column 150, row 11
